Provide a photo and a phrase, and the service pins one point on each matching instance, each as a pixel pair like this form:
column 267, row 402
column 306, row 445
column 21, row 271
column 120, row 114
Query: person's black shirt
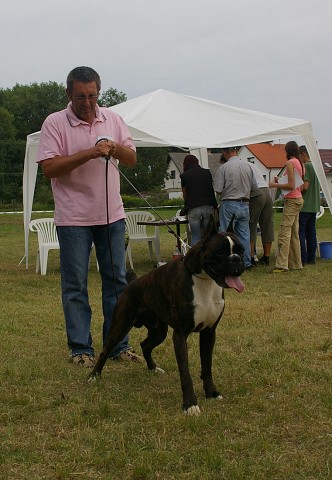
column 199, row 187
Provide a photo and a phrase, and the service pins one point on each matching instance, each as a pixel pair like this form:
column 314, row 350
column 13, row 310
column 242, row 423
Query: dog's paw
column 92, row 379
column 157, row 370
column 192, row 411
column 215, row 396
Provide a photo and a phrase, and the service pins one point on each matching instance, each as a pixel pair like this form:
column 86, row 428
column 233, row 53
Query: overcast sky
column 273, row 56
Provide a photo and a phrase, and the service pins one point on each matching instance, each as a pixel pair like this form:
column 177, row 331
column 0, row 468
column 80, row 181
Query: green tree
column 11, row 170
column 31, row 104
column 23, row 110
column 111, row 97
column 11, row 152
column 149, row 172
column 7, row 127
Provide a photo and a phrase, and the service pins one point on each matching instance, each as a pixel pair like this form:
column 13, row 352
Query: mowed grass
column 272, row 362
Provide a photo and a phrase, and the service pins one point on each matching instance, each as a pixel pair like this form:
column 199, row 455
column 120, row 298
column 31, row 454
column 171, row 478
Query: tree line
column 23, row 109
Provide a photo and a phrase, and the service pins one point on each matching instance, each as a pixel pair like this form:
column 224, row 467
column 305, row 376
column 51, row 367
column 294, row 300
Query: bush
column 156, row 200
column 133, row 202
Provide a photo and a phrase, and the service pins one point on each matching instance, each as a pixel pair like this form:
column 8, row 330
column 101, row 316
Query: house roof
column 274, row 156
column 178, row 158
column 326, row 157
column 271, row 156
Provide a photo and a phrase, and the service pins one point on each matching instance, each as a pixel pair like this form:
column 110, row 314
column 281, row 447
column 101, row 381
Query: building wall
column 268, row 173
column 173, row 185
column 329, row 181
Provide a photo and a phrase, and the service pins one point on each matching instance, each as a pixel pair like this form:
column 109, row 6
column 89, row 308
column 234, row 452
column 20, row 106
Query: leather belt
column 241, row 200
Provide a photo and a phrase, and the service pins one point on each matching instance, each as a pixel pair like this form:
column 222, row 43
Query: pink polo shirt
column 80, row 195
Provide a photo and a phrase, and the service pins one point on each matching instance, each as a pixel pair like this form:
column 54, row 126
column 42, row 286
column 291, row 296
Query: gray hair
column 84, row 75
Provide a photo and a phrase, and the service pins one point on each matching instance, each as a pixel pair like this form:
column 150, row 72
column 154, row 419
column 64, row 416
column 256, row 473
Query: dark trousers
column 308, row 238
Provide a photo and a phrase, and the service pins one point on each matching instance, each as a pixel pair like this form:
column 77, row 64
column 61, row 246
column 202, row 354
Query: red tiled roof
column 274, row 156
column 326, row 156
column 271, row 156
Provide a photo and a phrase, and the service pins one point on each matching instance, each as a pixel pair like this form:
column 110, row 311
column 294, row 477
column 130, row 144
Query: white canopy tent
column 164, row 118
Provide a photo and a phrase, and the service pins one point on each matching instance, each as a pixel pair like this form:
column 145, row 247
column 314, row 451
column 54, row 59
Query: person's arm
column 307, row 177
column 305, row 186
column 254, row 184
column 59, row 165
column 291, row 179
column 184, row 193
column 218, row 182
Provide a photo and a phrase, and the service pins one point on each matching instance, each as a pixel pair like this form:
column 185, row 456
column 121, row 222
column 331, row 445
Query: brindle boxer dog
column 188, row 295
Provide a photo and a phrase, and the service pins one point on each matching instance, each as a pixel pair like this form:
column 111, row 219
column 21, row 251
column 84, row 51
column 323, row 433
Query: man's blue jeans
column 75, row 248
column 239, row 212
column 198, row 219
column 308, row 237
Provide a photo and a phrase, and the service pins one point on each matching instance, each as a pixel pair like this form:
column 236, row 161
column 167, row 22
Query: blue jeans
column 308, row 237
column 198, row 219
column 239, row 211
column 75, row 248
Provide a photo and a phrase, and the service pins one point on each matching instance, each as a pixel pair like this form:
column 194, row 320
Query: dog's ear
column 193, row 259
column 211, row 229
column 230, row 227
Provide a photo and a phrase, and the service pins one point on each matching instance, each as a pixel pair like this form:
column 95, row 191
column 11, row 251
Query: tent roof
column 163, row 118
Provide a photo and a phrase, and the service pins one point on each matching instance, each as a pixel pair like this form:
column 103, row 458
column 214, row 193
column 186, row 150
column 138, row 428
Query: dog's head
column 220, row 255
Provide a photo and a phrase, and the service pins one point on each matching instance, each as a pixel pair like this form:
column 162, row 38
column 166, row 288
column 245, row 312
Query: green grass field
column 272, row 362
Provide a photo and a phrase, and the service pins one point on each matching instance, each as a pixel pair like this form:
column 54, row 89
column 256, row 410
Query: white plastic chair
column 188, row 229
column 47, row 240
column 137, row 233
column 320, row 213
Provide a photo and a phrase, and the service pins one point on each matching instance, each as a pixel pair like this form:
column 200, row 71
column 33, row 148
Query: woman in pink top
column 289, row 250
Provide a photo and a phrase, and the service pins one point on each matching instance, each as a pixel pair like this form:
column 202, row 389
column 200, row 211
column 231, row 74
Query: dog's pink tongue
column 235, row 282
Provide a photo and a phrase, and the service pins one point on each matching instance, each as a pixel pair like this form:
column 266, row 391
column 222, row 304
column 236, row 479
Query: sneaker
column 264, row 261
column 83, row 359
column 254, row 261
column 280, row 270
column 128, row 356
column 248, row 268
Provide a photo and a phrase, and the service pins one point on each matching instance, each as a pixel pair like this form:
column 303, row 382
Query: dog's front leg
column 181, row 352
column 207, row 340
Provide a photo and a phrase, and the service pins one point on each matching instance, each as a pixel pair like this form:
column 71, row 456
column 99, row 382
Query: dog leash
column 184, row 246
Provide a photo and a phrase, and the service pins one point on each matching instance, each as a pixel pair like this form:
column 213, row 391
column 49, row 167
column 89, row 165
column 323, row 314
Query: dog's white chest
column 208, row 300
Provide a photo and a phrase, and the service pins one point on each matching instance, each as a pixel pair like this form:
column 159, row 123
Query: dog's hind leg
column 156, row 335
column 207, row 340
column 122, row 321
column 181, row 352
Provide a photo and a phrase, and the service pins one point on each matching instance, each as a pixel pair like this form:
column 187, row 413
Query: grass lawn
column 272, row 362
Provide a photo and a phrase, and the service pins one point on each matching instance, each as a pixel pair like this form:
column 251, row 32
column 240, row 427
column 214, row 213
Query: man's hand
column 105, row 148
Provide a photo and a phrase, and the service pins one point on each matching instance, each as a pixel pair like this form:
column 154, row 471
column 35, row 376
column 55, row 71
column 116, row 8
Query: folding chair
column 138, row 233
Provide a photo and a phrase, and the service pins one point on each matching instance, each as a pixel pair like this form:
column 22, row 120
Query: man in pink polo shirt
column 80, row 148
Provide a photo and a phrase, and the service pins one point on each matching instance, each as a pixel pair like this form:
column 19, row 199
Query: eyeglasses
column 91, row 97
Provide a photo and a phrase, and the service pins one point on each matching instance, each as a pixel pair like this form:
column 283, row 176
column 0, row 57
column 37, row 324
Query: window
column 172, row 174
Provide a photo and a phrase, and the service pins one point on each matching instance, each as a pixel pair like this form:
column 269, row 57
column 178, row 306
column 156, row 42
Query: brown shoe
column 129, row 356
column 83, row 360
